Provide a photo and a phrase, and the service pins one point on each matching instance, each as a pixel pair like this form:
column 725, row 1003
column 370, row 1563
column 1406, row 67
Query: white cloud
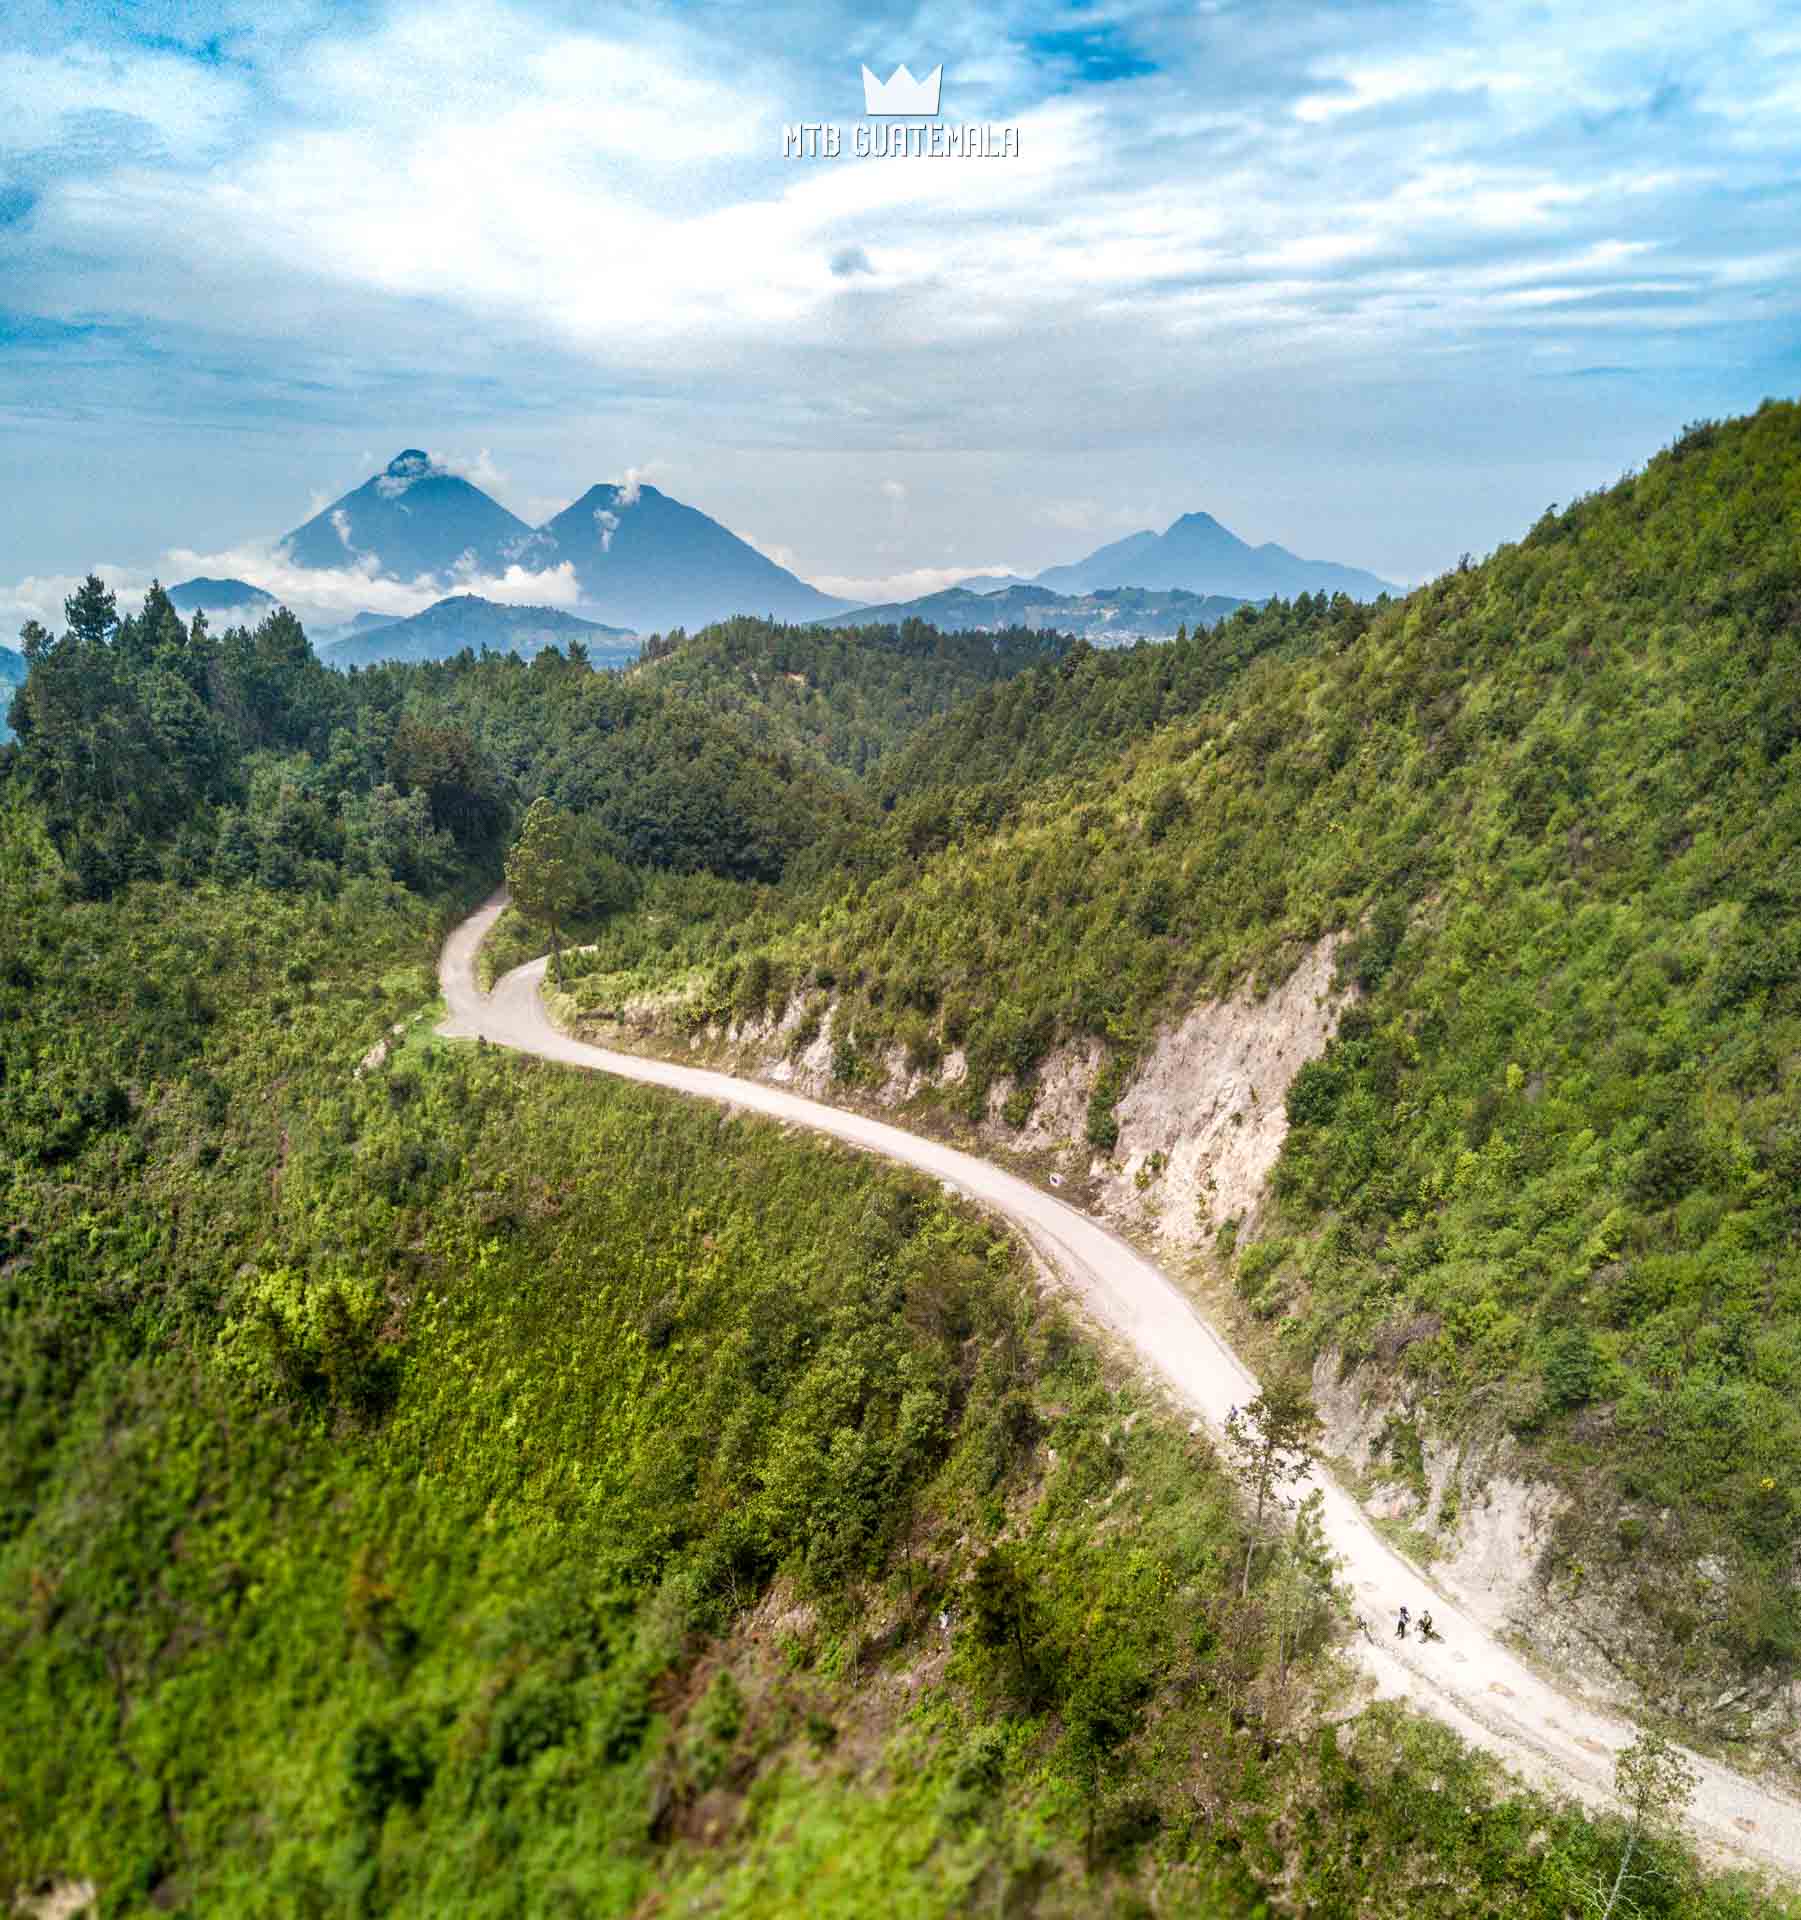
column 911, row 584
column 770, row 550
column 555, row 587
column 1315, row 203
column 40, row 597
column 135, row 97
column 321, row 596
column 478, row 469
column 526, row 544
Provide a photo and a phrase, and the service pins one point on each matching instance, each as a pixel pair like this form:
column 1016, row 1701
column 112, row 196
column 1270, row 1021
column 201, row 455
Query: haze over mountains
column 641, row 561
column 1117, row 615
column 1197, row 553
column 465, row 620
column 650, row 561
column 229, row 601
column 414, row 517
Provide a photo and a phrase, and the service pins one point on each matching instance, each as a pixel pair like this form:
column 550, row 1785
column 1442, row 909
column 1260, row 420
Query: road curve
column 1466, row 1678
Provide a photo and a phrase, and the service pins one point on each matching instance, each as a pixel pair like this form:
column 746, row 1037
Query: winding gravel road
column 1466, row 1678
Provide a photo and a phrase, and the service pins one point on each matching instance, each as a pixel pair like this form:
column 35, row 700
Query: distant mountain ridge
column 1113, row 618
column 642, row 560
column 414, row 517
column 652, row 562
column 466, row 620
column 202, row 594
column 12, row 676
column 1198, row 554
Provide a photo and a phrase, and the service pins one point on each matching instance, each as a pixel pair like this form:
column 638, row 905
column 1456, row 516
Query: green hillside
column 451, row 1484
column 841, row 695
column 152, row 747
column 433, row 1481
column 1556, row 801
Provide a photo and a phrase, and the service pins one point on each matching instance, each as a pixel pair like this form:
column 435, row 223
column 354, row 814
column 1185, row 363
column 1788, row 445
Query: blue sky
column 1376, row 281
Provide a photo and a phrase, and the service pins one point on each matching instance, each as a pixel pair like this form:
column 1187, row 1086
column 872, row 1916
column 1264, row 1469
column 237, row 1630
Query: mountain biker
column 1426, row 1625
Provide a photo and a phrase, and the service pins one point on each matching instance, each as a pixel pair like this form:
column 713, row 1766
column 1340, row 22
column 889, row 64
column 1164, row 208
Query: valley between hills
column 1465, row 1677
column 437, row 1480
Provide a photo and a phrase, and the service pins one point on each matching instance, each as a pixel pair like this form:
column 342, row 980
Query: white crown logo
column 900, row 93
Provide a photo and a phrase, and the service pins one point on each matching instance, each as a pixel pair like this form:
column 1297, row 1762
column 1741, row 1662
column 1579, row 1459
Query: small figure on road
column 1426, row 1624
column 1401, row 1625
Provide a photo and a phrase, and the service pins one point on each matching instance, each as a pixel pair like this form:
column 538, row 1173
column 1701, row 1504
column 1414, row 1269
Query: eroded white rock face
column 1492, row 1524
column 62, row 1900
column 1200, row 1124
column 1211, row 1099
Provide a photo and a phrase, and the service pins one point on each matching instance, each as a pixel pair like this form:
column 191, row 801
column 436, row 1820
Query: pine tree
column 1271, row 1447
column 92, row 611
column 544, row 873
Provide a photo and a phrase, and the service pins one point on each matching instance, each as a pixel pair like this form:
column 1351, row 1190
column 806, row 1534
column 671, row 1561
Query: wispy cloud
column 322, row 596
column 1264, row 260
column 911, row 583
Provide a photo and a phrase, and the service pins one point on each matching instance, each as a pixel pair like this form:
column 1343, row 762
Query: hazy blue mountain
column 1113, row 618
column 325, row 635
column 12, row 677
column 415, row 518
column 237, row 598
column 465, row 620
column 647, row 560
column 1198, row 554
column 1113, row 565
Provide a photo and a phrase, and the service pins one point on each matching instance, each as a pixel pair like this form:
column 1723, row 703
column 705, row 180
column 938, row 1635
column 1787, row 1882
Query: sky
column 1377, row 281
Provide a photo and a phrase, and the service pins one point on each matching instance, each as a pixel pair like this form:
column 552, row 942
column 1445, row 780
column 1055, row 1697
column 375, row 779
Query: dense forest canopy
column 846, row 694
column 154, row 747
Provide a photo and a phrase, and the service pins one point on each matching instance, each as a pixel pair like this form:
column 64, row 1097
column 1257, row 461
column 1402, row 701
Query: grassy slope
column 1559, row 795
column 472, row 1485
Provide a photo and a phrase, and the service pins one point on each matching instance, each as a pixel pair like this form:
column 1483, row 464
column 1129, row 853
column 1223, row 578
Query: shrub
column 1572, row 1370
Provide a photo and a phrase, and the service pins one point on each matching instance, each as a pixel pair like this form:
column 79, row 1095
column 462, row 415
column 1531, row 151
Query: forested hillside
column 438, row 1483
column 844, row 695
column 675, row 787
column 1089, row 706
column 151, row 747
column 432, row 1482
column 1555, row 801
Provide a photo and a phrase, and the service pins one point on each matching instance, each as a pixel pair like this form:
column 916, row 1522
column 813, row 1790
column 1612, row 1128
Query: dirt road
column 1464, row 1678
